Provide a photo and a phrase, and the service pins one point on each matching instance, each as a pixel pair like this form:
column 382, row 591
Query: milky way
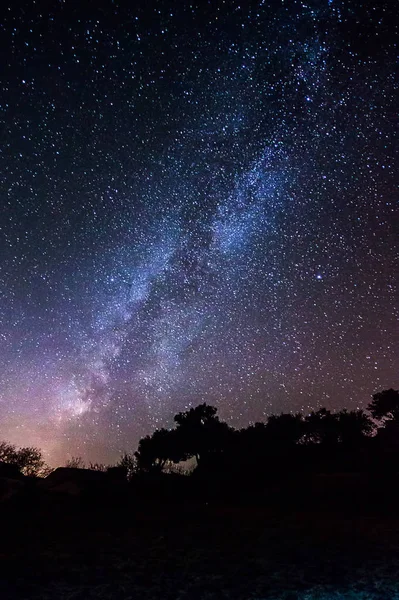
column 199, row 203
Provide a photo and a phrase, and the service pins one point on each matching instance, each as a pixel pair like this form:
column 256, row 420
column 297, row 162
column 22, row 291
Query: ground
column 198, row 553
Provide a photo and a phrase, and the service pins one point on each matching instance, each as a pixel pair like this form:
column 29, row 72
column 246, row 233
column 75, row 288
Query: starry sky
column 199, row 202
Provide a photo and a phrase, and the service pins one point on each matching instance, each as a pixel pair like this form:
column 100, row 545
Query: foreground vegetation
column 322, row 441
column 297, row 508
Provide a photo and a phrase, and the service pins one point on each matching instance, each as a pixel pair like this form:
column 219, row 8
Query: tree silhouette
column 385, row 405
column 155, row 450
column 385, row 408
column 29, row 460
column 8, row 452
column 202, row 414
column 9, row 471
column 284, row 430
column 322, row 427
column 354, row 427
column 200, row 433
column 252, row 439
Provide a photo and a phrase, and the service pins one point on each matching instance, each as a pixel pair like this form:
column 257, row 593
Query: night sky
column 199, row 202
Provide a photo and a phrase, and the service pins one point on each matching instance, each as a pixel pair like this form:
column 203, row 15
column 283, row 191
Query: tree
column 9, row 471
column 28, row 460
column 354, row 426
column 285, row 429
column 8, row 452
column 199, row 433
column 322, row 427
column 385, row 405
column 202, row 414
column 252, row 440
column 155, row 450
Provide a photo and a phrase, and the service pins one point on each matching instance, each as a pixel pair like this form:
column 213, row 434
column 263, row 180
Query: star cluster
column 199, row 203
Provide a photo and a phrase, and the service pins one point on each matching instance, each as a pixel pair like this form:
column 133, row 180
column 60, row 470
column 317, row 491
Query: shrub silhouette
column 128, row 462
column 75, row 462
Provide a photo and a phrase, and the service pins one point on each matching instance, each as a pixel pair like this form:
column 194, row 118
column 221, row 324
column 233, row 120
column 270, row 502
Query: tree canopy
column 28, row 460
column 385, row 404
column 199, row 433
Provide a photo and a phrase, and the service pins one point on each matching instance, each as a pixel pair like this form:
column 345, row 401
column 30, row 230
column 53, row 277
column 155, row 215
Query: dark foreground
column 196, row 553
